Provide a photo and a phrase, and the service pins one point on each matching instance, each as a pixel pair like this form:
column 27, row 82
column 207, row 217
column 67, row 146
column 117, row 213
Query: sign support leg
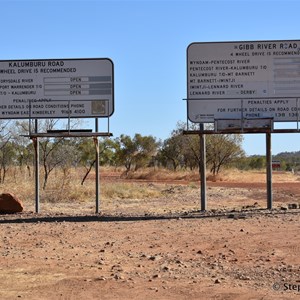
column 202, row 167
column 269, row 171
column 37, row 169
column 96, row 142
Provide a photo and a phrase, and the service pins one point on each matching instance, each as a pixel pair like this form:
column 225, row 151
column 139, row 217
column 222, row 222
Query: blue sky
column 147, row 42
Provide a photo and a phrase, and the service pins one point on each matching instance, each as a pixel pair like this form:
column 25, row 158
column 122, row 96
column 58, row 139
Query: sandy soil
column 157, row 248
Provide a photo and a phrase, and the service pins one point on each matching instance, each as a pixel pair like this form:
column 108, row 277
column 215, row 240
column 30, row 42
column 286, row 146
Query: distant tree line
column 178, row 151
column 289, row 161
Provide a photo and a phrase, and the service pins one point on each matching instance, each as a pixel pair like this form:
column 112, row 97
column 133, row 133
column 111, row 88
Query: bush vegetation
column 61, row 159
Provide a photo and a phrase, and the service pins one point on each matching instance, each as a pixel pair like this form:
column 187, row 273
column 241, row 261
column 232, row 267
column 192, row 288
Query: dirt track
column 131, row 252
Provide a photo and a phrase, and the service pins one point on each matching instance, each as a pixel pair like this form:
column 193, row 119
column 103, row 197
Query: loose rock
column 10, row 204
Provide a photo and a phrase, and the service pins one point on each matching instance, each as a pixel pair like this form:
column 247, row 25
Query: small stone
column 10, row 204
column 243, row 277
column 117, row 276
column 101, row 278
column 292, row 206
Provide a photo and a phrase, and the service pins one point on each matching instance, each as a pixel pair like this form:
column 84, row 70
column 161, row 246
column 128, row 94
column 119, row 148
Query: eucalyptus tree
column 221, row 150
column 86, row 148
column 136, row 152
column 180, row 150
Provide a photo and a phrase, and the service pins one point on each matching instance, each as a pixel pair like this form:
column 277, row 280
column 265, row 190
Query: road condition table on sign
column 64, row 86
column 28, row 88
column 243, row 79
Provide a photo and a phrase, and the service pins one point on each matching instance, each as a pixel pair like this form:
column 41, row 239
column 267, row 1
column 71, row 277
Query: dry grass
column 160, row 174
column 66, row 187
column 235, row 175
column 231, row 175
column 128, row 191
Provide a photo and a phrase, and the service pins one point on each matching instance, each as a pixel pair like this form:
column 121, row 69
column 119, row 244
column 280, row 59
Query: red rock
column 10, row 204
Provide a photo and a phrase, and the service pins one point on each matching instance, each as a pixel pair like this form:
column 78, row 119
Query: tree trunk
column 45, row 179
column 88, row 172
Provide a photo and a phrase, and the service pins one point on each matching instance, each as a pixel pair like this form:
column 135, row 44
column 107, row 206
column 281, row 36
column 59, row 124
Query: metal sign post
column 96, row 142
column 36, row 145
column 269, row 170
column 203, row 169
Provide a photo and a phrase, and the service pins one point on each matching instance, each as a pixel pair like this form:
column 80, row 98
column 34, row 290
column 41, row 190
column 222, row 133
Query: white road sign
column 56, row 88
column 243, row 79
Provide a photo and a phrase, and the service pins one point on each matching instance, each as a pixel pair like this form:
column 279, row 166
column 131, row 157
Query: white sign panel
column 280, row 110
column 56, row 88
column 260, row 79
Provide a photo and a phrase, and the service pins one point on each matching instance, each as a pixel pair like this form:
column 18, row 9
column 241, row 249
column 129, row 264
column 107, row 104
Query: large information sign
column 56, row 88
column 229, row 80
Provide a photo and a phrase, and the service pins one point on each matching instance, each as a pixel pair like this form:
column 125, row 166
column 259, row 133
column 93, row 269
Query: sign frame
column 56, row 88
column 245, row 60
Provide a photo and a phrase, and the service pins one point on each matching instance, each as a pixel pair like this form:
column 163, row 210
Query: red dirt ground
column 157, row 248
